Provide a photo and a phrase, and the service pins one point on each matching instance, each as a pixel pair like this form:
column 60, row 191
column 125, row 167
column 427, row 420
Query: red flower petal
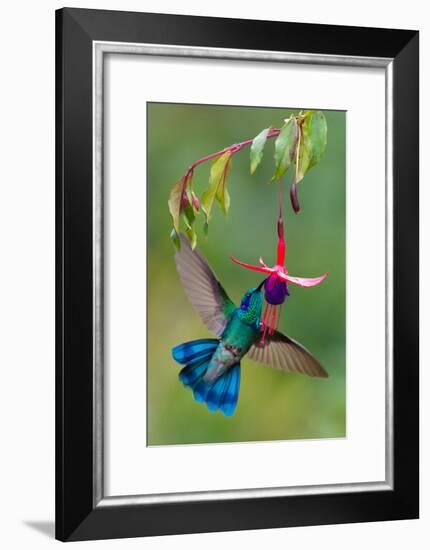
column 303, row 281
column 253, row 267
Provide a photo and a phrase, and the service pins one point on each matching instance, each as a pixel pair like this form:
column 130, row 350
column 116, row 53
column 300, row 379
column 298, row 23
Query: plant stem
column 235, row 148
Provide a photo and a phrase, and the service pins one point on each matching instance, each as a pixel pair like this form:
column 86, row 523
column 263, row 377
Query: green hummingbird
column 212, row 365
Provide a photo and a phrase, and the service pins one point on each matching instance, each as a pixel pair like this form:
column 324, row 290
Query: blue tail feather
column 196, row 356
column 200, row 391
column 216, row 393
column 223, row 393
column 187, row 353
column 231, row 395
column 190, row 374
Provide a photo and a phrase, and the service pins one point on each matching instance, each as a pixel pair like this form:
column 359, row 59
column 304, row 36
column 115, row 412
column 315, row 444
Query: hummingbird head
column 251, row 305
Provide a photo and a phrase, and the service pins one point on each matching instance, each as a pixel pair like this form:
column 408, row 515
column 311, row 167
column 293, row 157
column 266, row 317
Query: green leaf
column 174, row 203
column 285, row 145
column 217, row 177
column 222, row 195
column 189, row 216
column 189, row 219
column 192, row 236
column 175, row 238
column 223, row 198
column 257, row 147
column 317, row 128
column 303, row 157
column 313, row 141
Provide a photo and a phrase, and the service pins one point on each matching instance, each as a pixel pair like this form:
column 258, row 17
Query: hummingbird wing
column 202, row 287
column 284, row 353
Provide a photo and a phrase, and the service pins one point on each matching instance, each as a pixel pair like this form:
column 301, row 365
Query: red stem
column 235, row 148
column 280, row 257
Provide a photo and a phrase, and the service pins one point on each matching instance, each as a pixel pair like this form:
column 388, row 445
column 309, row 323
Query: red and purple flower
column 276, row 284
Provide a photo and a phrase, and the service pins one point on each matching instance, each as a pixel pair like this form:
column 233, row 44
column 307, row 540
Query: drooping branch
column 232, row 149
column 301, row 142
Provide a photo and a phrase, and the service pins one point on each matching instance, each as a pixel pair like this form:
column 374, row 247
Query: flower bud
column 294, row 198
column 196, row 203
column 184, row 200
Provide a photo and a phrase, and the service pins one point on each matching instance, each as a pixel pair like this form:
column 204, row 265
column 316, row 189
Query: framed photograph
column 236, row 274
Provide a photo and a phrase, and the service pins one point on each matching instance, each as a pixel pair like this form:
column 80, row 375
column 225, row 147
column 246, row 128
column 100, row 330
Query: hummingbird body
column 212, row 365
column 241, row 331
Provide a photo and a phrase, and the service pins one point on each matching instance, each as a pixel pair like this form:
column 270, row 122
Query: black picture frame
column 78, row 514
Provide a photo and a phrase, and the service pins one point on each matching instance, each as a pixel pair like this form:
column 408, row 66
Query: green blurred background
column 272, row 405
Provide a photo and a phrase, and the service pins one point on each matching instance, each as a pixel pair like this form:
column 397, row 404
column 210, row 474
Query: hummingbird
column 212, row 365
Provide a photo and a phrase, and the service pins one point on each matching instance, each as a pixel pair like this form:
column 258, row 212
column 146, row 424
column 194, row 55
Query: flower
column 276, row 284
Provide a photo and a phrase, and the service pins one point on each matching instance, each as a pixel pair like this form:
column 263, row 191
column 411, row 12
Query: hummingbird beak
column 258, row 289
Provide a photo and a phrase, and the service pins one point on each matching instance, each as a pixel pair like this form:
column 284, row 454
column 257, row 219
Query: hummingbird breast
column 235, row 342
